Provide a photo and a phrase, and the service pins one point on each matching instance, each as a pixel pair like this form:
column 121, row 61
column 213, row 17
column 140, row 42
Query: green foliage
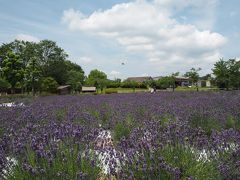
column 188, row 161
column 97, row 78
column 75, row 79
column 113, row 83
column 13, row 69
column 23, row 64
column 193, row 75
column 123, row 128
column 4, row 85
column 227, row 73
column 232, row 122
column 49, row 84
column 206, row 123
column 120, row 130
column 165, row 82
column 110, row 91
column 129, row 84
column 67, row 162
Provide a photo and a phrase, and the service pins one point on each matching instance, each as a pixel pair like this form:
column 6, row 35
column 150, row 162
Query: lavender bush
column 180, row 135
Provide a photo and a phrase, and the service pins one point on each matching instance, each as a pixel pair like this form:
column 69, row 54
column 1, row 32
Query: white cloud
column 26, row 37
column 145, row 74
column 149, row 28
column 86, row 60
column 114, row 73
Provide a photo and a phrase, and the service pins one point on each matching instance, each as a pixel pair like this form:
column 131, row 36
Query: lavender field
column 180, row 135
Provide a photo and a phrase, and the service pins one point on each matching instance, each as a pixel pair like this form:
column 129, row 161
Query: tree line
column 32, row 67
column 43, row 66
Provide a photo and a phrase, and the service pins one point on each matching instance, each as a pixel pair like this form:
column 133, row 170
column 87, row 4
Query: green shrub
column 188, row 161
column 206, row 123
column 232, row 122
column 65, row 164
column 120, row 130
column 110, row 91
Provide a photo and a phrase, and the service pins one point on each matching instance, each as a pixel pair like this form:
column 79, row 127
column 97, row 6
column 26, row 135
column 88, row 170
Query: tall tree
column 13, row 70
column 221, row 72
column 52, row 61
column 97, row 78
column 75, row 80
column 194, row 75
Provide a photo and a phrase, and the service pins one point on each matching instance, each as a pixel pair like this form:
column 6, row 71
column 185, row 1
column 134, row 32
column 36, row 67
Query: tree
column 234, row 73
column 52, row 61
column 75, row 79
column 13, row 70
column 4, row 85
column 193, row 74
column 129, row 84
column 165, row 82
column 221, row 72
column 49, row 84
column 97, row 78
column 172, row 80
column 113, row 83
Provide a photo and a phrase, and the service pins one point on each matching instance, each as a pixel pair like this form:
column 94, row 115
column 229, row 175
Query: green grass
column 206, row 123
column 65, row 164
column 193, row 88
column 127, row 90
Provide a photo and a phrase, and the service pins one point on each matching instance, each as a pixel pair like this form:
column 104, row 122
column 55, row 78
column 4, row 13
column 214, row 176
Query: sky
column 151, row 37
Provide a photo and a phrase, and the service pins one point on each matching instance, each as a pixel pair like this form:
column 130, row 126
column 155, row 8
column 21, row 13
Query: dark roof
column 180, row 78
column 157, row 77
column 139, row 79
column 63, row 87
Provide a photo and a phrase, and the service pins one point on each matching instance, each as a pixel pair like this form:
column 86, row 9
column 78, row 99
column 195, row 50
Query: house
column 157, row 78
column 139, row 79
column 182, row 81
column 88, row 89
column 62, row 90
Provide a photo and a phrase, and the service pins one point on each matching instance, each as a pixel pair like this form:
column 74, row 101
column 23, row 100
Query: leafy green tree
column 113, row 83
column 52, row 61
column 49, row 84
column 194, row 76
column 73, row 66
column 13, row 70
column 172, row 80
column 75, row 80
column 129, row 84
column 4, row 85
column 165, row 82
column 221, row 72
column 234, row 73
column 97, row 78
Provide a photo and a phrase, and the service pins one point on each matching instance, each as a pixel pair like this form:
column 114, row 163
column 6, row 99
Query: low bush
column 110, row 91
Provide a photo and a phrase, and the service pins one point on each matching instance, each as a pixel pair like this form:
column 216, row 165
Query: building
column 157, row 78
column 88, row 89
column 182, row 81
column 62, row 90
column 140, row 79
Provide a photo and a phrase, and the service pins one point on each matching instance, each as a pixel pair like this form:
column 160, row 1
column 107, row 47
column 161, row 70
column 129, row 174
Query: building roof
column 157, row 78
column 88, row 88
column 63, row 87
column 139, row 79
column 181, row 78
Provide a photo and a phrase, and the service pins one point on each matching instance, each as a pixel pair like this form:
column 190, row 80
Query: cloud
column 150, row 28
column 26, row 37
column 86, row 60
column 114, row 73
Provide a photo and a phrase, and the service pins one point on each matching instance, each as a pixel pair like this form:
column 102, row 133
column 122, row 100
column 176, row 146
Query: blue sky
column 152, row 37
